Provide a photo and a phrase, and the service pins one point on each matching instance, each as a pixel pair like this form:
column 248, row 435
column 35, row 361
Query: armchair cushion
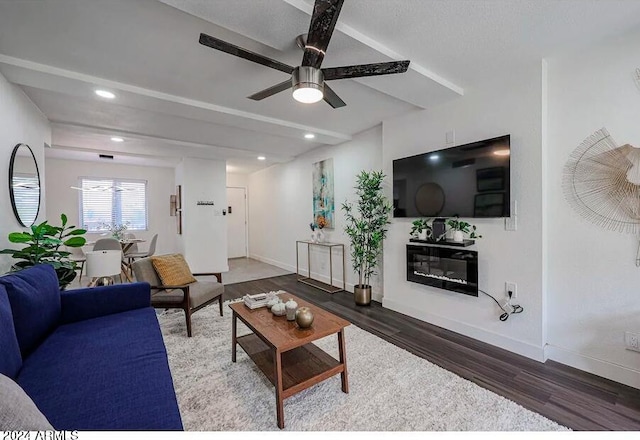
column 199, row 293
column 10, row 358
column 172, row 269
column 34, row 296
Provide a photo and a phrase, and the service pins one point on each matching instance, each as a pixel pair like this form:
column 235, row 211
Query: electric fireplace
column 445, row 268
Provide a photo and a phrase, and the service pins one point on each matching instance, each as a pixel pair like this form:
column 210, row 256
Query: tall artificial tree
column 366, row 224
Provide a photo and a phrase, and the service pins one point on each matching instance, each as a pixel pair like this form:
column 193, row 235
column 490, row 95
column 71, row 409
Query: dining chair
column 133, row 248
column 109, row 244
column 131, row 256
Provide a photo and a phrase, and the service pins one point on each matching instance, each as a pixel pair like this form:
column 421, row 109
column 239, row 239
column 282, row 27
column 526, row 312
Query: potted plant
column 460, row 227
column 366, row 228
column 321, row 223
column 116, row 229
column 421, row 229
column 43, row 243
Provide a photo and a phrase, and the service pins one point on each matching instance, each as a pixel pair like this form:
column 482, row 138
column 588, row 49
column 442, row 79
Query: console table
column 314, row 282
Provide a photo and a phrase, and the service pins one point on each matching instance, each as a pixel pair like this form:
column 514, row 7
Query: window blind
column 114, row 202
column 26, row 193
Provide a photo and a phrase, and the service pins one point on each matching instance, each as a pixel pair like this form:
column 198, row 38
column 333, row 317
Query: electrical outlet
column 510, row 287
column 631, row 341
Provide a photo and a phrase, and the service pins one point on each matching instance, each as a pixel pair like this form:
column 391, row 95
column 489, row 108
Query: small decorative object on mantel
column 205, row 203
column 291, row 307
column 460, row 228
column 421, row 229
column 304, row 317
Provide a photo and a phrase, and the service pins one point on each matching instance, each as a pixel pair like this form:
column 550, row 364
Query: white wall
column 237, row 180
column 505, row 106
column 592, row 277
column 204, row 228
column 20, row 122
column 62, row 174
column 281, row 206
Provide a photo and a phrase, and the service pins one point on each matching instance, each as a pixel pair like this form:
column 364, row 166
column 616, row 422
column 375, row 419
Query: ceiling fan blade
column 214, row 43
column 323, row 21
column 332, row 98
column 365, row 70
column 284, row 85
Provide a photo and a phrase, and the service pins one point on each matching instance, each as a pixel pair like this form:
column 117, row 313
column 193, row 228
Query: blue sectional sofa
column 90, row 359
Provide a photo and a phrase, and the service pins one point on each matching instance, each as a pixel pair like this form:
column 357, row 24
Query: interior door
column 237, row 222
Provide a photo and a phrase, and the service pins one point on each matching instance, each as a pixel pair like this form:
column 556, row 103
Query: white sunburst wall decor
column 601, row 181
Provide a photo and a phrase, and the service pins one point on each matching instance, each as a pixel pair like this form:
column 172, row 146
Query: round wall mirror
column 24, row 185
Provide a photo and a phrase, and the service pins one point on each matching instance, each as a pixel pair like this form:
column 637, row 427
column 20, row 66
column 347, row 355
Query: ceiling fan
column 308, row 80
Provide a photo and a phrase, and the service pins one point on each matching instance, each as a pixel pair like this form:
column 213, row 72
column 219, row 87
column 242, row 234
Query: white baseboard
column 276, row 263
column 519, row 347
column 595, row 366
column 376, row 296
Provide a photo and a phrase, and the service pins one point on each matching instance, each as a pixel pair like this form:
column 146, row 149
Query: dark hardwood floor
column 571, row 397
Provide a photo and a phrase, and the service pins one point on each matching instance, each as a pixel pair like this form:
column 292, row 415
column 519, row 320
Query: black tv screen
column 469, row 180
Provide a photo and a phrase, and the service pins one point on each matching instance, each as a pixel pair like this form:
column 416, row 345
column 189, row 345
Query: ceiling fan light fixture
column 307, row 84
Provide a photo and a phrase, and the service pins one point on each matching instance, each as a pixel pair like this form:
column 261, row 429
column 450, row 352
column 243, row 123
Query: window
column 113, row 201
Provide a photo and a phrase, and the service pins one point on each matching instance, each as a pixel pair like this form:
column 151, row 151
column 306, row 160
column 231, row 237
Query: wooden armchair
column 189, row 297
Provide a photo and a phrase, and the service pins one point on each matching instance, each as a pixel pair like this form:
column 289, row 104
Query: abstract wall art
column 323, row 197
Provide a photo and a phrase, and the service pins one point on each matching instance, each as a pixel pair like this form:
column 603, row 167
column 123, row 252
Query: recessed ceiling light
column 105, row 94
column 434, row 157
column 117, row 139
column 309, row 136
column 504, row 152
column 261, row 158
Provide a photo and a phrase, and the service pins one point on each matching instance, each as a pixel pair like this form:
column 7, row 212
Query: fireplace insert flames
column 445, row 268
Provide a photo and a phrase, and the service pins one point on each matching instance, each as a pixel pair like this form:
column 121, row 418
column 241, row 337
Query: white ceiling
column 178, row 98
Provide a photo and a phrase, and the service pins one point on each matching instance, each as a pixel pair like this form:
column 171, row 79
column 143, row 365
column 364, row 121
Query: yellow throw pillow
column 172, row 269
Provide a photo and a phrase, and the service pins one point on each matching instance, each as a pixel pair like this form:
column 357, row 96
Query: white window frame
column 115, row 181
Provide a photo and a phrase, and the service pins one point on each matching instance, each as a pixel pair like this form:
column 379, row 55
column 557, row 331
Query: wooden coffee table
column 284, row 352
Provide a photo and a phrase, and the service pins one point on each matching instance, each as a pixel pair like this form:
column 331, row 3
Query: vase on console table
column 320, row 236
column 458, row 236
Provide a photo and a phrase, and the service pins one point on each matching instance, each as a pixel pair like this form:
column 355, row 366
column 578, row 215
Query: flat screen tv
column 469, row 180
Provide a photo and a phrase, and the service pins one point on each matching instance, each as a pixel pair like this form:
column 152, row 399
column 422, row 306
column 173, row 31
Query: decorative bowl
column 279, row 309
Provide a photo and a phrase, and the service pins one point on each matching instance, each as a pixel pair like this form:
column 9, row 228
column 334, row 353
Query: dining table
column 126, row 244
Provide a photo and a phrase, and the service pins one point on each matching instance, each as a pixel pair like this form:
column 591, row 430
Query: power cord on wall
column 508, row 308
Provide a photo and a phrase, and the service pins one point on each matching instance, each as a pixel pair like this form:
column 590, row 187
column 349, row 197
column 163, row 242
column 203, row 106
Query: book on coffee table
column 258, row 300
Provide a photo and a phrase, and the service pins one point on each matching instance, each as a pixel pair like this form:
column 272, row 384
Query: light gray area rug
column 390, row 388
column 248, row 269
